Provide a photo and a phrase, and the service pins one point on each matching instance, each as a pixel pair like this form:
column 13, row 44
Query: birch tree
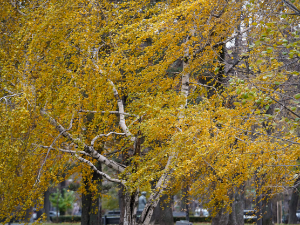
column 88, row 81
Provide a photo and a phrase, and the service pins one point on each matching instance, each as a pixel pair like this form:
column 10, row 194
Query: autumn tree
column 88, row 82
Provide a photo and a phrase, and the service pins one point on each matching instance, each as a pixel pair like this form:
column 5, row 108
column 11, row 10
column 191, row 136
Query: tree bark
column 221, row 218
column 293, row 207
column 163, row 214
column 185, row 201
column 236, row 217
column 131, row 203
column 258, row 202
column 267, row 212
column 91, row 207
column 62, row 190
column 47, row 204
column 121, row 196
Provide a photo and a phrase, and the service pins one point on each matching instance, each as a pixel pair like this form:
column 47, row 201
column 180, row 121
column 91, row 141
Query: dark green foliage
column 62, row 219
column 63, row 203
column 194, row 219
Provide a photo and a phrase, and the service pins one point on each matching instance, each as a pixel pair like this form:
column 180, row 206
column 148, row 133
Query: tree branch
column 121, row 112
column 99, row 172
column 112, row 112
column 88, row 149
column 104, row 135
column 292, row 7
column 49, row 148
column 67, row 150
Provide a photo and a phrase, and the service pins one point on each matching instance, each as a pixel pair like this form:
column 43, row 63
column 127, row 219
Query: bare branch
column 9, row 96
column 121, row 112
column 15, row 5
column 234, row 64
column 49, row 149
column 155, row 196
column 99, row 172
column 222, row 42
column 282, row 165
column 88, row 149
column 67, row 150
column 104, row 135
column 292, row 7
column 112, row 112
column 10, row 92
column 204, row 85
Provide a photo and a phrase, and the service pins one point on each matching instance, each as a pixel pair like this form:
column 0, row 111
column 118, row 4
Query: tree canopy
column 204, row 92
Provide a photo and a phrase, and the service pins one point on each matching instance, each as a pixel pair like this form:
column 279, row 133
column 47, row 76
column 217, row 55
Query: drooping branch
column 49, row 149
column 88, row 149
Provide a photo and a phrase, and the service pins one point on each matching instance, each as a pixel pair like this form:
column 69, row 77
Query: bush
column 63, row 203
column 62, row 219
column 194, row 219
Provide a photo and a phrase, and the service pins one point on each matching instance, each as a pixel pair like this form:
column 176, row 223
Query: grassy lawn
column 79, row 224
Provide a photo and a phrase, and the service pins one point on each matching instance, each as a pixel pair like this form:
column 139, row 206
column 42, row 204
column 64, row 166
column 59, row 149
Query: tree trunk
column 131, row 203
column 221, row 218
column 267, row 212
column 186, row 202
column 121, row 196
column 236, row 217
column 163, row 214
column 91, row 207
column 258, row 202
column 293, row 207
column 62, row 190
column 47, row 204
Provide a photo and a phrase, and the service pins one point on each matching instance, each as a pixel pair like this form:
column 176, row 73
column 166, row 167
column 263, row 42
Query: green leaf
column 297, row 96
column 257, row 43
column 259, row 61
column 269, row 50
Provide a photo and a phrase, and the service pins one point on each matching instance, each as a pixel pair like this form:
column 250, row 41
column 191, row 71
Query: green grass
column 61, row 223
column 79, row 224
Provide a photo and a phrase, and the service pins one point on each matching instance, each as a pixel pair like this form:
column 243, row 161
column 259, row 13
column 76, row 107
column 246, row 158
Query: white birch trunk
column 131, row 204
